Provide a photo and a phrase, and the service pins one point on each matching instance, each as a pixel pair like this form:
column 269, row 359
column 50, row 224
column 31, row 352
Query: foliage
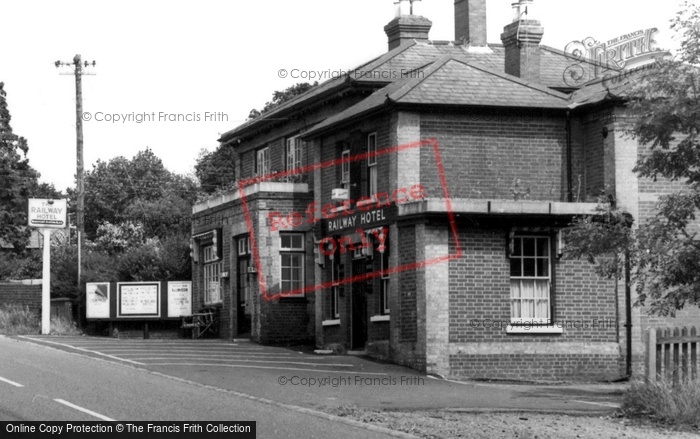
column 281, row 96
column 116, row 238
column 19, row 180
column 18, row 320
column 663, row 402
column 664, row 252
column 141, row 190
column 216, row 169
column 23, row 264
column 603, row 239
column 157, row 260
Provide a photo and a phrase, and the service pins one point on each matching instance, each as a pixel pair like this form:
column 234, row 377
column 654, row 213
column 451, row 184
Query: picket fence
column 673, row 354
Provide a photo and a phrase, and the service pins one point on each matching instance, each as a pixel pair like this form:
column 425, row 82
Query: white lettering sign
column 47, row 213
column 97, row 296
column 179, row 299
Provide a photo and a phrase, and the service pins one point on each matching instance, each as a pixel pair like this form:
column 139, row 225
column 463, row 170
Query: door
column 359, row 307
column 245, row 305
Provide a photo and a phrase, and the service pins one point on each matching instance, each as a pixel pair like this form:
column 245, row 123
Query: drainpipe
column 569, row 177
column 628, row 312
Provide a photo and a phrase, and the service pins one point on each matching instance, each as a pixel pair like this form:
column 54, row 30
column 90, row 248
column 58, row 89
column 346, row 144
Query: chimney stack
column 406, row 27
column 470, row 22
column 521, row 40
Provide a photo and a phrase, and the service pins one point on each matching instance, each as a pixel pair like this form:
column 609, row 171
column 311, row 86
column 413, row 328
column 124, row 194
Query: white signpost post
column 47, row 214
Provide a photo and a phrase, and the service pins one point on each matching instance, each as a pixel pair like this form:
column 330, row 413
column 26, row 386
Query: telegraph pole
column 78, row 72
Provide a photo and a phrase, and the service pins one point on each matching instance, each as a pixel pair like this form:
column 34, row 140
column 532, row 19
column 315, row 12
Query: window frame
column 299, row 251
column 345, row 169
column 372, row 172
column 262, row 161
column 335, row 289
column 244, row 246
column 536, row 319
column 384, row 283
column 211, row 272
column 292, row 153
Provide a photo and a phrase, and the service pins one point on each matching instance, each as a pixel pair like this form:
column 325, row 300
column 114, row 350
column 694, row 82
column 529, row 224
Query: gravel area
column 448, row 425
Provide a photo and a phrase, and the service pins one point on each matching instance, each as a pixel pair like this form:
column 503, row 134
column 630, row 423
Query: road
column 38, row 383
column 297, row 376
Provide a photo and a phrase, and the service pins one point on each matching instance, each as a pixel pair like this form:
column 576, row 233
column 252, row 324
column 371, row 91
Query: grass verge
column 664, row 402
column 20, row 320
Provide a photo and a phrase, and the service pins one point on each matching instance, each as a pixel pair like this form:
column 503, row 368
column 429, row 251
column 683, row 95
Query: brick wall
column 480, row 309
column 20, row 294
column 408, row 329
column 274, row 322
column 486, row 153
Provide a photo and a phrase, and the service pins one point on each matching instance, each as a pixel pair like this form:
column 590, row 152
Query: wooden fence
column 673, row 354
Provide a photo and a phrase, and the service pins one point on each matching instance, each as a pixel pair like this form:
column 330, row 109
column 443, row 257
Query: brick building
column 413, row 209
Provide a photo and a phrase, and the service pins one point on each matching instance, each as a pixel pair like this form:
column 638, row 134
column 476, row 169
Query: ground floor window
column 530, row 279
column 292, row 261
column 384, row 279
column 212, row 272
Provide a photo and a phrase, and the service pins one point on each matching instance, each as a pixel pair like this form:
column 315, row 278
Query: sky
column 212, row 61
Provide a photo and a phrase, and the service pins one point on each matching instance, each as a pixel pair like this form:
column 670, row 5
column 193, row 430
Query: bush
column 664, row 402
column 18, row 320
column 63, row 326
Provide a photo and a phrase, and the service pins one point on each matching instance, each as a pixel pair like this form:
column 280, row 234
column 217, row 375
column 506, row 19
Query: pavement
column 298, row 377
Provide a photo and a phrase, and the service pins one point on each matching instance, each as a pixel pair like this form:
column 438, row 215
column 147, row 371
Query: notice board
column 157, row 300
column 138, row 299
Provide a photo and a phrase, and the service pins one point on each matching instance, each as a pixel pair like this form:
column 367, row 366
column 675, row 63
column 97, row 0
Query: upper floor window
column 345, row 170
column 262, row 161
column 293, row 153
column 372, row 164
column 530, row 279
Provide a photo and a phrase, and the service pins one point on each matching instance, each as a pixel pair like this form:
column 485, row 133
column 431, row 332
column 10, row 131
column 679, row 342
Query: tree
column 280, row 97
column 216, row 169
column 18, row 179
column 664, row 252
column 137, row 190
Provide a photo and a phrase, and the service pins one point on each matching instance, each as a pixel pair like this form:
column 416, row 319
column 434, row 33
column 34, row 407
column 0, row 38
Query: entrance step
column 357, row 352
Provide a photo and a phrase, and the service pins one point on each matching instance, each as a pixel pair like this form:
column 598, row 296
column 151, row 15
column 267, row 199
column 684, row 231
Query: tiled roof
column 613, row 87
column 392, row 65
column 454, row 81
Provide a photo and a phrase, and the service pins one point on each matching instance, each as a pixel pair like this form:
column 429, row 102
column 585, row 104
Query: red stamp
column 350, row 215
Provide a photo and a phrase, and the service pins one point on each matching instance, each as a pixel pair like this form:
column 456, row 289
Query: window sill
column 380, row 318
column 335, row 322
column 534, row 329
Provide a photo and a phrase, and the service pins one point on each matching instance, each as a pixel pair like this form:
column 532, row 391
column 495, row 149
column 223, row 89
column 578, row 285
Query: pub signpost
column 47, row 214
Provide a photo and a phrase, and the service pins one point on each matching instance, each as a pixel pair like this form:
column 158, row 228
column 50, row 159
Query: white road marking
column 11, row 382
column 84, row 410
column 352, row 372
column 596, row 403
column 83, row 350
column 255, row 361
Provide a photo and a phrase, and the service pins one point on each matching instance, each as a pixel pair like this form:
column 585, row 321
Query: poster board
column 97, row 296
column 152, row 300
column 179, row 299
column 138, row 300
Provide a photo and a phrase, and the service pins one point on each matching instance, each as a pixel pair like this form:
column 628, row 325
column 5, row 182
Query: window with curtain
column 530, row 279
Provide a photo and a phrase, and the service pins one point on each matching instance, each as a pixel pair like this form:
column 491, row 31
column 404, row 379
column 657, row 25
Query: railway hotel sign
column 45, row 213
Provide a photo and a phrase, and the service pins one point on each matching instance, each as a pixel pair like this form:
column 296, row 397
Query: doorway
column 245, row 304
column 359, row 306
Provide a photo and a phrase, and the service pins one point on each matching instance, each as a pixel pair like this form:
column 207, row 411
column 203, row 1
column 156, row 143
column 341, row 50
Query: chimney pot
column 516, row 11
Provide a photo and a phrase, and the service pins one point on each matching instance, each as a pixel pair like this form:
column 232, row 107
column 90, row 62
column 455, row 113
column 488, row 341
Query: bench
column 206, row 321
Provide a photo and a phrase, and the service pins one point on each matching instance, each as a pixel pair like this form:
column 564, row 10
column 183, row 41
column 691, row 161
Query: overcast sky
column 220, row 57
